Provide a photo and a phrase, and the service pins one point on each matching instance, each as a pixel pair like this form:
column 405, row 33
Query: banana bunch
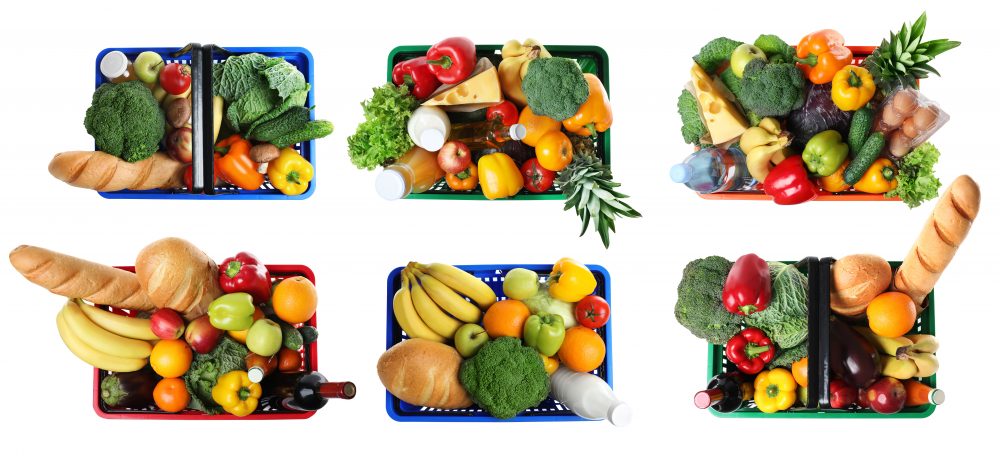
column 431, row 304
column 516, row 57
column 105, row 340
column 905, row 357
column 765, row 145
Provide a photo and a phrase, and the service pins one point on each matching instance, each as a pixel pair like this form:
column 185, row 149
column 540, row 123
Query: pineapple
column 588, row 187
column 904, row 58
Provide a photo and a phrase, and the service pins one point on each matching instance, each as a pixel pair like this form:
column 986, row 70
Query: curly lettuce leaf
column 285, row 78
column 916, row 180
column 382, row 137
column 786, row 318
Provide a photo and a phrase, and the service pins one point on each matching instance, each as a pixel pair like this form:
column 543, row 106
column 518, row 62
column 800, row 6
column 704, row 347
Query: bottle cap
column 518, row 132
column 681, row 173
column 937, row 397
column 620, row 414
column 255, row 374
column 390, row 185
column 702, row 399
column 114, row 64
column 431, row 139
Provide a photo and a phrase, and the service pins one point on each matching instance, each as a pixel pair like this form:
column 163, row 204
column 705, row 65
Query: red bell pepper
column 748, row 286
column 789, row 183
column 506, row 110
column 750, row 350
column 244, row 273
column 452, row 60
column 417, row 75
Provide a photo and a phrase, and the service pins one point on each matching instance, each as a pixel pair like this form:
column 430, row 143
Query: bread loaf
column 106, row 173
column 423, row 373
column 176, row 275
column 75, row 278
column 944, row 231
column 857, row 279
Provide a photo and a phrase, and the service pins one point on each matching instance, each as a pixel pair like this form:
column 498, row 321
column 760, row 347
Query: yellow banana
column 91, row 356
column 901, row 369
column 516, row 57
column 923, row 343
column 761, row 144
column 406, row 315
column 430, row 313
column 892, row 346
column 133, row 328
column 927, row 364
column 447, row 299
column 462, row 282
column 101, row 339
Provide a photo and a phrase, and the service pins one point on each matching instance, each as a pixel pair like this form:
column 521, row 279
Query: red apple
column 179, row 144
column 887, row 395
column 842, row 395
column 201, row 335
column 862, row 400
column 167, row 324
column 454, row 157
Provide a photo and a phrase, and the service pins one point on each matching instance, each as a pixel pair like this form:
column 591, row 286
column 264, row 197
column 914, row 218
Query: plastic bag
column 908, row 119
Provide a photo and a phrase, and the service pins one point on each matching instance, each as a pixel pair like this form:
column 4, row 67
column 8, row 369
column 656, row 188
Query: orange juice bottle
column 415, row 172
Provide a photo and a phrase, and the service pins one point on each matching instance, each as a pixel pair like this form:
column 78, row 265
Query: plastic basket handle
column 818, row 271
column 202, row 118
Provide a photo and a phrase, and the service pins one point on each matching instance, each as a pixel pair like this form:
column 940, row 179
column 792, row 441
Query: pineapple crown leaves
column 905, row 56
column 589, row 188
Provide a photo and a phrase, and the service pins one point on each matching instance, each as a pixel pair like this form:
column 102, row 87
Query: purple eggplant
column 852, row 357
column 129, row 389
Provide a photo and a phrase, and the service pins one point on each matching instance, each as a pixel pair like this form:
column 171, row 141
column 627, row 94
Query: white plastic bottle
column 429, row 127
column 589, row 397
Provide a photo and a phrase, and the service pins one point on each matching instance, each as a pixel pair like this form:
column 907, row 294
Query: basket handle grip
column 819, row 332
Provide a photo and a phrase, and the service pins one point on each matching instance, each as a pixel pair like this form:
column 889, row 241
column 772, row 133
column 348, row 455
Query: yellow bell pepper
column 774, row 390
column 594, row 114
column 290, row 173
column 499, row 176
column 853, row 87
column 236, row 394
column 571, row 281
column 880, row 177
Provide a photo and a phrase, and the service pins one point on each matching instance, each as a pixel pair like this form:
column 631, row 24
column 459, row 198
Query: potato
column 857, row 279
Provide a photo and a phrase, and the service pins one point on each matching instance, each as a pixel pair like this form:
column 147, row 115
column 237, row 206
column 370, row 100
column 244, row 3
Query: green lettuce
column 916, row 182
column 382, row 137
column 786, row 318
column 205, row 370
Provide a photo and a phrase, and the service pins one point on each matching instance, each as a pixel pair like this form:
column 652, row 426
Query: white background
column 352, row 239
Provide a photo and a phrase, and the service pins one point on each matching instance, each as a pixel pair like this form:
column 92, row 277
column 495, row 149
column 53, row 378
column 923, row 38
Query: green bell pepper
column 825, row 152
column 232, row 312
column 544, row 332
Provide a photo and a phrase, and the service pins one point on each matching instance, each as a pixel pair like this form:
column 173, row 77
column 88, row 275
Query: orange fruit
column 506, row 318
column 170, row 358
column 294, row 300
column 171, row 395
column 582, row 350
column 891, row 314
column 241, row 336
column 800, row 371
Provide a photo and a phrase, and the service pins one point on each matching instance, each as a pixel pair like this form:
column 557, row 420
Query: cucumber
column 865, row 157
column 861, row 124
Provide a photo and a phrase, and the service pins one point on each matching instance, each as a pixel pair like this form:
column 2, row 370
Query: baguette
column 106, row 173
column 178, row 276
column 944, row 231
column 424, row 373
column 75, row 278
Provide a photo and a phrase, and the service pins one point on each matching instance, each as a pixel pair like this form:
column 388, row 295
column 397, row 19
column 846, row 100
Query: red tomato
column 592, row 312
column 536, row 178
column 506, row 110
column 175, row 78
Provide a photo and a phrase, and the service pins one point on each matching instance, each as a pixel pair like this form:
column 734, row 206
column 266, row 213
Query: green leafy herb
column 382, row 137
column 916, row 180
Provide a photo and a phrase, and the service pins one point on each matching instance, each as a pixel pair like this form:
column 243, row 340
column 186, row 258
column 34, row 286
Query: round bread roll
column 857, row 279
column 424, row 373
column 177, row 275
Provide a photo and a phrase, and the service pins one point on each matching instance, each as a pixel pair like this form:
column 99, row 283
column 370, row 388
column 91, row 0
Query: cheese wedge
column 723, row 120
column 479, row 91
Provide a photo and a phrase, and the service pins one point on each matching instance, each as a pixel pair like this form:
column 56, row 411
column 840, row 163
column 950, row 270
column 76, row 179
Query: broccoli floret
column 699, row 301
column 772, row 89
column 555, row 87
column 125, row 120
column 715, row 53
column 788, row 356
column 505, row 377
column 692, row 128
column 776, row 49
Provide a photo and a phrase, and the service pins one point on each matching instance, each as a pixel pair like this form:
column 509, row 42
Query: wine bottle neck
column 337, row 390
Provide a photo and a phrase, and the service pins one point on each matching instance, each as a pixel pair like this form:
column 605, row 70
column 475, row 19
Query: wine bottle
column 304, row 391
column 725, row 393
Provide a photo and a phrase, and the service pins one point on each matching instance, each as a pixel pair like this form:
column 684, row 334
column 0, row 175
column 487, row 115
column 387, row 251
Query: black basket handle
column 202, row 118
column 818, row 273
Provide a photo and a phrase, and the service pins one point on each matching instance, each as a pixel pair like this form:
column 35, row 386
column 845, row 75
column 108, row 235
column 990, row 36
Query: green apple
column 264, row 337
column 742, row 56
column 147, row 67
column 520, row 284
column 469, row 338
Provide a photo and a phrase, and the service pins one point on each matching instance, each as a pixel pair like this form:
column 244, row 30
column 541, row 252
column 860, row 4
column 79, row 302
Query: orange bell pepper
column 235, row 165
column 822, row 54
column 536, row 126
column 499, row 176
column 465, row 180
column 835, row 182
column 594, row 114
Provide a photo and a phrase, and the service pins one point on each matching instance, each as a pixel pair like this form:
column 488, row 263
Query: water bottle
column 713, row 170
column 589, row 397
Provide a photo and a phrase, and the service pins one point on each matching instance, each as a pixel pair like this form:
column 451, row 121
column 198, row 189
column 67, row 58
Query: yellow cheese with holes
column 723, row 119
column 477, row 92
